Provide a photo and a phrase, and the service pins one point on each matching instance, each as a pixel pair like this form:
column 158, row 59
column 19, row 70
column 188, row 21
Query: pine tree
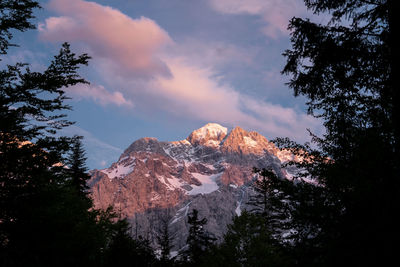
column 46, row 216
column 269, row 201
column 42, row 223
column 124, row 250
column 30, row 175
column 165, row 241
column 249, row 242
column 77, row 169
column 14, row 15
column 348, row 71
column 199, row 240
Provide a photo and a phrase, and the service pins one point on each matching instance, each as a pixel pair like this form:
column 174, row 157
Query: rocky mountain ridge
column 211, row 171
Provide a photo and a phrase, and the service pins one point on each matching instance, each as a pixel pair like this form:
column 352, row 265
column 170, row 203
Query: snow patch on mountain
column 208, row 184
column 172, row 183
column 119, row 170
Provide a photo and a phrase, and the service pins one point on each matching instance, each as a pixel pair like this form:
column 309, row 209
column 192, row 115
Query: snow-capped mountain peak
column 210, row 134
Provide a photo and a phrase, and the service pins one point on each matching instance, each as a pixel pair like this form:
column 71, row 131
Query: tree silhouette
column 77, row 169
column 32, row 181
column 124, row 250
column 43, row 221
column 165, row 239
column 348, row 71
column 249, row 242
column 269, row 201
column 14, row 15
column 198, row 241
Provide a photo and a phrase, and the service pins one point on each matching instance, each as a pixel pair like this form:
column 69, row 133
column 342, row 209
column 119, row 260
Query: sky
column 163, row 68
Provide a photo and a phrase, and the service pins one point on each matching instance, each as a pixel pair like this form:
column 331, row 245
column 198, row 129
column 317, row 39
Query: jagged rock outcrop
column 209, row 171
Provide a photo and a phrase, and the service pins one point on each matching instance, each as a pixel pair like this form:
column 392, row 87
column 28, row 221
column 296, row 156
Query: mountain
column 211, row 171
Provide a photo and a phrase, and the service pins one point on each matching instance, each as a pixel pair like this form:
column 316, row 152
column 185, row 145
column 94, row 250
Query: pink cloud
column 175, row 80
column 110, row 34
column 194, row 92
column 99, row 94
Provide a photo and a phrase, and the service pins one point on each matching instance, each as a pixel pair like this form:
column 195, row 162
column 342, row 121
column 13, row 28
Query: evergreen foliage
column 199, row 241
column 269, row 201
column 125, row 251
column 165, row 240
column 77, row 169
column 14, row 15
column 346, row 197
column 341, row 207
column 46, row 215
column 248, row 242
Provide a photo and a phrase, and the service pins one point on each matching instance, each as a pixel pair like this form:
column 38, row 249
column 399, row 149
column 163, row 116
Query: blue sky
column 164, row 68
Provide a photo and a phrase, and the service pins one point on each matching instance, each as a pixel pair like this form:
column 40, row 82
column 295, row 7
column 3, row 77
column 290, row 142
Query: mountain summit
column 210, row 170
column 210, row 134
column 236, row 141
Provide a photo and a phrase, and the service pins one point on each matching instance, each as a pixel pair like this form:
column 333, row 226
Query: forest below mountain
column 347, row 69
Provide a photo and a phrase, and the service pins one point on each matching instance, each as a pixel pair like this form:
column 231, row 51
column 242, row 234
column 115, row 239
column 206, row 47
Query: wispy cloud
column 138, row 57
column 275, row 13
column 196, row 91
column 101, row 153
column 99, row 94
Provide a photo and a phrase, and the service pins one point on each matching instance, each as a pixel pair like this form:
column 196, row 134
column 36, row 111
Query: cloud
column 109, row 34
column 275, row 13
column 182, row 80
column 88, row 138
column 101, row 153
column 195, row 91
column 213, row 53
column 99, row 95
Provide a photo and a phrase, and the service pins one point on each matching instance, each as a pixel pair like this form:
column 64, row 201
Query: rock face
column 211, row 171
